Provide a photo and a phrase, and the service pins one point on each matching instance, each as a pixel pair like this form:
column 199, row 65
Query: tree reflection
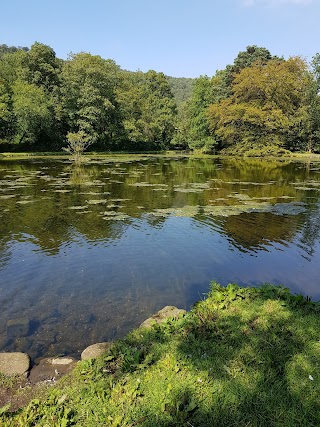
column 51, row 201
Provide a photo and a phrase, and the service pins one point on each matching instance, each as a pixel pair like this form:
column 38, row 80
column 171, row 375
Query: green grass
column 128, row 155
column 241, row 357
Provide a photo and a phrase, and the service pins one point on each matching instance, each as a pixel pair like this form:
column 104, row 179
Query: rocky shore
column 50, row 369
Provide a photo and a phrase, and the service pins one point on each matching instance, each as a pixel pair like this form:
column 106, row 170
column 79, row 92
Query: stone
column 95, row 350
column 18, row 327
column 14, row 363
column 165, row 313
column 51, row 369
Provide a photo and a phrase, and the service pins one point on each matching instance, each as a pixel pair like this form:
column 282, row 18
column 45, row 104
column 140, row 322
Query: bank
column 240, row 357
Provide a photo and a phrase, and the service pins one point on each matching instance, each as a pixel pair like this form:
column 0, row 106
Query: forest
column 259, row 105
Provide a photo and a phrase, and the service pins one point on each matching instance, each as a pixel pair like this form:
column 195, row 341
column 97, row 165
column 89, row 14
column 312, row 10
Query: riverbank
column 166, row 153
column 242, row 356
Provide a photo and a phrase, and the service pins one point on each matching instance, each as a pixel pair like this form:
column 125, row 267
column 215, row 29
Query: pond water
column 88, row 252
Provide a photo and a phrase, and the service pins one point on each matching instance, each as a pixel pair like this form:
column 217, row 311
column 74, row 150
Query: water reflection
column 88, row 251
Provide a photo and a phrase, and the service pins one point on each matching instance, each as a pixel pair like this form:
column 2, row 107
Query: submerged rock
column 14, row 363
column 95, row 350
column 167, row 312
column 51, row 368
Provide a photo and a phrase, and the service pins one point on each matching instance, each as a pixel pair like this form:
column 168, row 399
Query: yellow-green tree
column 267, row 109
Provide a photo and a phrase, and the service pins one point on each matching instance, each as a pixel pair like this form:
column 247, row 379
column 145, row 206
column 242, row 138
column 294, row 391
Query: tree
column 315, row 69
column 205, row 92
column 41, row 67
column 88, row 95
column 148, row 108
column 29, row 71
column 6, row 115
column 312, row 122
column 252, row 54
column 267, row 108
column 32, row 111
column 78, row 142
column 4, row 49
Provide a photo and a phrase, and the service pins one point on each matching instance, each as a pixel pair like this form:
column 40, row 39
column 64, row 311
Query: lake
column 87, row 252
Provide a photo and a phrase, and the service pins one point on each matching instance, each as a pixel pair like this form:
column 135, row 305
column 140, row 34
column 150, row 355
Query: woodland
column 259, row 105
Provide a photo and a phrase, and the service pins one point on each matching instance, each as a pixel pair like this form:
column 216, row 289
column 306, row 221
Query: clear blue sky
column 182, row 38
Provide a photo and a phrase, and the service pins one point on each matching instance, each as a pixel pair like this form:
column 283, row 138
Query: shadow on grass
column 243, row 357
column 250, row 363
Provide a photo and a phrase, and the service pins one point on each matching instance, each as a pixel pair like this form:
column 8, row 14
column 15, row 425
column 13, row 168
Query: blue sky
column 182, row 38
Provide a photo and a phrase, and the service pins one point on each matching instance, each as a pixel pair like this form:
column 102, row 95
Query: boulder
column 14, row 363
column 51, row 368
column 95, row 350
column 165, row 313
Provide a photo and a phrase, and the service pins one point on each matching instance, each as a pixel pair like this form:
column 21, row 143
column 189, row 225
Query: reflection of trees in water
column 79, row 175
column 5, row 253
column 310, row 234
column 252, row 232
column 81, row 172
column 65, row 196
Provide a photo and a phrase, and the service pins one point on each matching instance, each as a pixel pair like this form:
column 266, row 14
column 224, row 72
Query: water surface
column 88, row 252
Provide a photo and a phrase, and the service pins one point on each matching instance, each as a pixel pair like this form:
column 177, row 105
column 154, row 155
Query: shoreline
column 235, row 349
column 51, row 368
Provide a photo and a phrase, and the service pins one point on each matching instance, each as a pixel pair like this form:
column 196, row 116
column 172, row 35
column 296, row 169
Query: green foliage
column 78, row 142
column 41, row 67
column 268, row 106
column 259, row 99
column 31, row 108
column 181, row 88
column 193, row 126
column 148, row 108
column 6, row 115
column 88, row 95
column 245, row 59
column 4, row 49
column 315, row 67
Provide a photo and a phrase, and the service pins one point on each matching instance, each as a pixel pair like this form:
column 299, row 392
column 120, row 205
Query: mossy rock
column 95, row 350
column 167, row 312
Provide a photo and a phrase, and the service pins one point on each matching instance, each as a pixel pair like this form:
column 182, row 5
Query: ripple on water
column 83, row 264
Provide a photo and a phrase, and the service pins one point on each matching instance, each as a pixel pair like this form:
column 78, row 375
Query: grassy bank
column 241, row 357
column 124, row 155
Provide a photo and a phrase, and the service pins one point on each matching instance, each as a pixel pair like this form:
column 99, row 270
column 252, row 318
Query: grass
column 241, row 357
column 127, row 155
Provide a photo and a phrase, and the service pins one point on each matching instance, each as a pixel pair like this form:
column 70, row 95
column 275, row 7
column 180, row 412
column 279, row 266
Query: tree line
column 261, row 104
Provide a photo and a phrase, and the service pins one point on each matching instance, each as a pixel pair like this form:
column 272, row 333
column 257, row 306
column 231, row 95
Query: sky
column 182, row 38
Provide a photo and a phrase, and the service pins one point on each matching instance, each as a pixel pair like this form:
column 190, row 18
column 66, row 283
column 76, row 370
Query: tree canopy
column 259, row 101
column 268, row 107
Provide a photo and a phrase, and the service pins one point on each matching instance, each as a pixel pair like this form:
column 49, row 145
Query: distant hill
column 181, row 88
column 10, row 49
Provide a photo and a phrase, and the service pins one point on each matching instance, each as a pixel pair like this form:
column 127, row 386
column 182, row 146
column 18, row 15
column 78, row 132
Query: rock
column 167, row 312
column 18, row 327
column 95, row 350
column 51, row 368
column 14, row 363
